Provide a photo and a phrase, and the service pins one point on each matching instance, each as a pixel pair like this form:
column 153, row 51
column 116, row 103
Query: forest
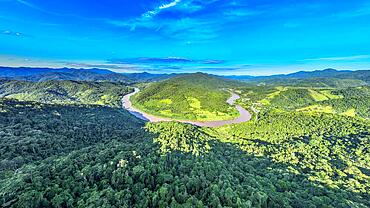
column 198, row 97
column 295, row 152
column 65, row 92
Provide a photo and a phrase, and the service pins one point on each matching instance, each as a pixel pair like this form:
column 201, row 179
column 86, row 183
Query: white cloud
column 340, row 58
column 169, row 5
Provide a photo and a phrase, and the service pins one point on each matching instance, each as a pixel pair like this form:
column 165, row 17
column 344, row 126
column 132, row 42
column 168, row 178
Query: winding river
column 244, row 115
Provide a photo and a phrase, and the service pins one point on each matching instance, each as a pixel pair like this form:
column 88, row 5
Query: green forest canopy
column 82, row 155
column 65, row 92
column 106, row 161
column 197, row 96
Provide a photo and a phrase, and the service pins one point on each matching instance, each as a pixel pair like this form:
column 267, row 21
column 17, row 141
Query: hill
column 65, row 92
column 318, row 78
column 64, row 156
column 47, row 74
column 191, row 97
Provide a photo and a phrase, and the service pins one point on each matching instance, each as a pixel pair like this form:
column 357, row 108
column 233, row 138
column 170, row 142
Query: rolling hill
column 318, row 78
column 54, row 155
column 47, row 74
column 196, row 96
column 64, row 92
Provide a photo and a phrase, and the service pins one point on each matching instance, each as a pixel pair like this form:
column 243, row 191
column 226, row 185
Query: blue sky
column 256, row 37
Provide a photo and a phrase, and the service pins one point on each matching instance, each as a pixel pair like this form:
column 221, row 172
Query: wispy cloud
column 166, row 60
column 238, row 13
column 141, row 60
column 169, row 5
column 361, row 11
column 12, row 33
column 186, row 21
column 340, row 58
column 157, row 10
column 32, row 6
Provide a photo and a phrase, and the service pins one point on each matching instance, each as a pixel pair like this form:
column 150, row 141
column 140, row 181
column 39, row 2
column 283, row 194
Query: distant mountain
column 317, row 73
column 47, row 74
column 363, row 75
column 327, row 77
column 240, row 77
column 148, row 77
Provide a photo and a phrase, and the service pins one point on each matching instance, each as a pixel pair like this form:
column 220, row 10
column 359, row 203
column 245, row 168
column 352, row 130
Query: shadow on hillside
column 32, row 131
column 238, row 178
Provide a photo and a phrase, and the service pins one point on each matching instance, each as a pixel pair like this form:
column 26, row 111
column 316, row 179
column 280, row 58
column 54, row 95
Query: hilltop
column 317, row 78
column 196, row 96
column 47, row 74
column 64, row 92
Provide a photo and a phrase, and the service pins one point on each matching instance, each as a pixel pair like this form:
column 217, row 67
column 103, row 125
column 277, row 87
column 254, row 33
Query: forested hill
column 196, row 96
column 318, row 78
column 63, row 156
column 47, row 74
column 64, row 92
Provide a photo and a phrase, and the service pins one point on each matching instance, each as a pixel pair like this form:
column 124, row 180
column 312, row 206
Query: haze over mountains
column 360, row 77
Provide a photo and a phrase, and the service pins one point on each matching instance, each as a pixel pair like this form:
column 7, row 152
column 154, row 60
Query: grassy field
column 352, row 101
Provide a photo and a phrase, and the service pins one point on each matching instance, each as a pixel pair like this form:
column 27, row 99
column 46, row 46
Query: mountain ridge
column 96, row 74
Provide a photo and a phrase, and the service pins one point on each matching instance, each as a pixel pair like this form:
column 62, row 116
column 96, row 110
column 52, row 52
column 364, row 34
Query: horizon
column 219, row 37
column 179, row 73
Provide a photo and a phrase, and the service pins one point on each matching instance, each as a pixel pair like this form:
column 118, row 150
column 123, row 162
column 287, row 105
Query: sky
column 229, row 37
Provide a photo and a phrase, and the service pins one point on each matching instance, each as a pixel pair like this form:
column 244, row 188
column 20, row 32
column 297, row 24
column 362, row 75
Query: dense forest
column 171, row 164
column 350, row 101
column 65, row 92
column 62, row 74
column 304, row 147
column 318, row 78
column 198, row 96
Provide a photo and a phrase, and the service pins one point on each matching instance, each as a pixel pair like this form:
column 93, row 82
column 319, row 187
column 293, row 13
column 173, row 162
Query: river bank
column 244, row 115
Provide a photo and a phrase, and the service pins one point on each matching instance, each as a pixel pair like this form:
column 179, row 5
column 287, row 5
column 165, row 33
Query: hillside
column 62, row 156
column 318, row 78
column 190, row 97
column 48, row 74
column 351, row 101
column 65, row 92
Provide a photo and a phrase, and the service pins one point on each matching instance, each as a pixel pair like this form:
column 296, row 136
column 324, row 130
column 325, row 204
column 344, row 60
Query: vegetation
column 184, row 167
column 190, row 97
column 352, row 101
column 50, row 74
column 318, row 78
column 304, row 147
column 65, row 92
column 32, row 131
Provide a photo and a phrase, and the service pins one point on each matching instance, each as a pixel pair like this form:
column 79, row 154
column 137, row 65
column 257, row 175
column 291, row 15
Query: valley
column 98, row 143
column 184, row 104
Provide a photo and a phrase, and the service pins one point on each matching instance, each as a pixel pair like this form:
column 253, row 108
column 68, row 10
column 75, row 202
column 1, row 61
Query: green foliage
column 65, row 92
column 189, row 97
column 132, row 172
column 31, row 132
column 179, row 137
column 353, row 98
column 353, row 101
column 330, row 149
column 95, row 156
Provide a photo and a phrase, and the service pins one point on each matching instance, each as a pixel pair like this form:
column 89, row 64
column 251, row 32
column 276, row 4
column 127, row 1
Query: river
column 244, row 115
